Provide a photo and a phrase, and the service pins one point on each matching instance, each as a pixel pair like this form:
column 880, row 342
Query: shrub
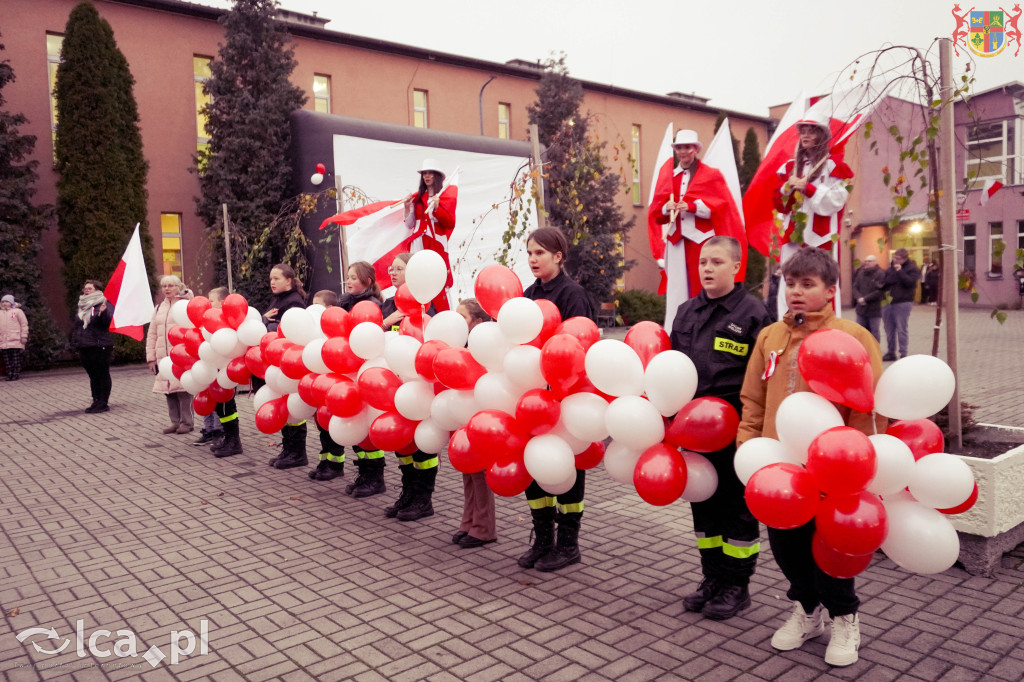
column 637, row 305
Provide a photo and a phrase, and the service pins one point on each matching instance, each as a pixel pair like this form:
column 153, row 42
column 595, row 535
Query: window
column 54, row 43
column 170, row 243
column 419, row 108
column 1020, row 235
column 322, row 94
column 635, row 157
column 201, row 74
column 990, row 152
column 970, row 252
column 996, row 246
column 504, row 112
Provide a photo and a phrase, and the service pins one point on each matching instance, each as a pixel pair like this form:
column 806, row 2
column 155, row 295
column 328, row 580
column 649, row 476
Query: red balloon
column 425, row 355
column 366, row 311
column 835, row 563
column 852, row 524
column 509, row 477
column 647, row 339
column 704, row 425
column 306, row 391
column 413, row 326
column 196, row 308
column 583, row 328
column 292, row 364
column 492, row 431
column 561, row 363
column 219, row 393
column 842, row 461
column 235, row 309
column 267, row 339
column 321, row 169
column 213, row 319
column 407, row 303
column 193, row 339
column 332, row 322
column 255, row 363
column 367, row 445
column 552, row 320
column 178, row 370
column 591, row 457
column 338, row 356
column 203, row 403
column 409, row 449
column 272, row 415
column 176, row 335
column 237, row 369
column 343, row 399
column 660, row 475
column 965, row 505
column 276, row 349
column 323, row 418
column 782, row 495
column 322, row 383
column 537, row 411
column 464, row 457
column 837, row 366
column 180, row 356
column 378, row 385
column 456, row 368
column 495, row 285
column 922, row 436
column 391, row 431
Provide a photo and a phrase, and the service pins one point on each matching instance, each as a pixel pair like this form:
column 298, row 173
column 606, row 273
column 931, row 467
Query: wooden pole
column 227, row 247
column 948, row 230
column 535, row 143
column 342, row 246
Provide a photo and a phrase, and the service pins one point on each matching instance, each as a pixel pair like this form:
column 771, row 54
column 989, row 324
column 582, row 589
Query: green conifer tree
column 756, row 263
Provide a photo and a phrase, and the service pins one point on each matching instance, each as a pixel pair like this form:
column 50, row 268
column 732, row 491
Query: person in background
column 478, row 519
column 13, row 335
column 212, row 432
column 868, row 292
column 430, row 214
column 92, row 338
column 931, row 281
column 286, row 293
column 332, row 455
column 901, row 281
column 158, row 347
column 392, row 315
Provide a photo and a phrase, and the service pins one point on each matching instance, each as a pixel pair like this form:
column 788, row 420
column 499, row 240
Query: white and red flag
column 378, row 235
column 128, row 291
column 990, row 188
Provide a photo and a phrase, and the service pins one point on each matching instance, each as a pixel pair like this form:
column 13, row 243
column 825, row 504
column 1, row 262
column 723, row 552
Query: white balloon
column 758, row 453
column 165, row 366
column 312, row 357
column 920, row 540
column 190, row 384
column 299, row 409
column 211, row 357
column 253, row 314
column 614, row 368
column 701, row 477
column 464, row 406
column 577, row 445
column 238, row 351
column 203, row 373
column 315, row 312
column 223, row 341
column 583, row 415
column 550, row 460
column 941, row 481
column 372, row 362
column 206, row 333
column 670, row 381
column 430, row 437
column 634, row 422
column 425, row 275
column 494, row 391
column 442, row 410
column 251, row 331
column 179, row 313
column 801, row 417
column 263, row 396
column 563, row 486
column 520, row 320
column 914, row 387
column 276, row 379
column 367, row 340
column 224, row 381
column 447, row 326
column 297, row 326
column 620, row 462
column 400, row 353
column 350, row 430
column 895, row 464
column 488, row 345
column 413, row 400
column 522, row 366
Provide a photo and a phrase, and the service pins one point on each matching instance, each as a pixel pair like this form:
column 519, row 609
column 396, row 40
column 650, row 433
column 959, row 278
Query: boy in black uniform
column 717, row 330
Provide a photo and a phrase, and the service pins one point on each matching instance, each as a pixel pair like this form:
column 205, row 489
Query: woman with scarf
column 430, row 213
column 92, row 338
column 158, row 347
column 13, row 335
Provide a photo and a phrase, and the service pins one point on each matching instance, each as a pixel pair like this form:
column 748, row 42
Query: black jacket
column 869, row 284
column 568, row 296
column 283, row 302
column 718, row 335
column 902, row 283
column 348, row 301
column 96, row 334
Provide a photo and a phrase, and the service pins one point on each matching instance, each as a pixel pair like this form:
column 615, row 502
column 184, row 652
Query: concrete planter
column 995, row 525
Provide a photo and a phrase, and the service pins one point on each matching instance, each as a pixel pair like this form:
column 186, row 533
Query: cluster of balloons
column 887, row 491
column 210, row 348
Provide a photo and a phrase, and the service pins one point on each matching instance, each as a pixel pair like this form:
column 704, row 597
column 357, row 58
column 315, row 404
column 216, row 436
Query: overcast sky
column 745, row 55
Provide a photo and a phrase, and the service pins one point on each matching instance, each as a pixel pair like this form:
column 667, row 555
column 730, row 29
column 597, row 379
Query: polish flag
column 990, row 188
column 128, row 291
column 377, row 233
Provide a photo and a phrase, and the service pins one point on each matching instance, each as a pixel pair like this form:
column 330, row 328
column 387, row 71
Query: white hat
column 819, row 119
column 688, row 137
column 432, row 166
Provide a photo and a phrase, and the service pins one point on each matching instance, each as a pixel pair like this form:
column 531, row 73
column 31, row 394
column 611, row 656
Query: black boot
column 373, row 483
column 322, row 466
column 232, row 444
column 421, row 505
column 543, row 536
column 294, row 452
column 360, row 477
column 696, row 600
column 329, row 472
column 727, row 602
column 404, row 497
column 567, row 548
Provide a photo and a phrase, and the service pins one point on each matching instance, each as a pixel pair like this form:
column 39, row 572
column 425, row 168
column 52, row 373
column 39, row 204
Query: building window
column 322, row 94
column 170, row 243
column 990, row 152
column 996, row 246
column 1020, row 236
column 419, row 108
column 201, row 74
column 635, row 158
column 54, row 43
column 970, row 251
column 504, row 112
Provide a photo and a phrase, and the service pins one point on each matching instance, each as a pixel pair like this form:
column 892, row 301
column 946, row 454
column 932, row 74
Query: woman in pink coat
column 158, row 347
column 13, row 335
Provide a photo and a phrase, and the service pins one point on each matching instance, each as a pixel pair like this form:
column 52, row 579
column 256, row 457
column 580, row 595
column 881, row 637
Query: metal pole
column 342, row 246
column 227, row 247
column 948, row 226
column 535, row 144
column 482, row 103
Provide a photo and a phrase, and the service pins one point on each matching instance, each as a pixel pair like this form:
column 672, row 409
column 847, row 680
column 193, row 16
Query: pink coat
column 157, row 345
column 13, row 329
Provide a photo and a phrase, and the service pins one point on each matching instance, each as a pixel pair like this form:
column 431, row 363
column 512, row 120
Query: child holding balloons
column 286, row 293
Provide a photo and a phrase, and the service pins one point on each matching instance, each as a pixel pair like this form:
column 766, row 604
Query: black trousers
column 808, row 584
column 96, row 361
column 568, row 505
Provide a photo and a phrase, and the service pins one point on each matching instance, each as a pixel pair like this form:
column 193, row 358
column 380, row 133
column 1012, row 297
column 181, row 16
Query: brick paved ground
column 109, row 522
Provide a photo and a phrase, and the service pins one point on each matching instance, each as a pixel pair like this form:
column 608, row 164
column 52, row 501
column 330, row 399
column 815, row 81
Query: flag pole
column 227, row 247
column 342, row 245
column 535, row 144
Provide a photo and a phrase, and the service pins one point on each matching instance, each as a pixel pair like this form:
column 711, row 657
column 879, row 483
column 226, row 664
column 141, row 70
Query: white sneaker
column 842, row 648
column 800, row 627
